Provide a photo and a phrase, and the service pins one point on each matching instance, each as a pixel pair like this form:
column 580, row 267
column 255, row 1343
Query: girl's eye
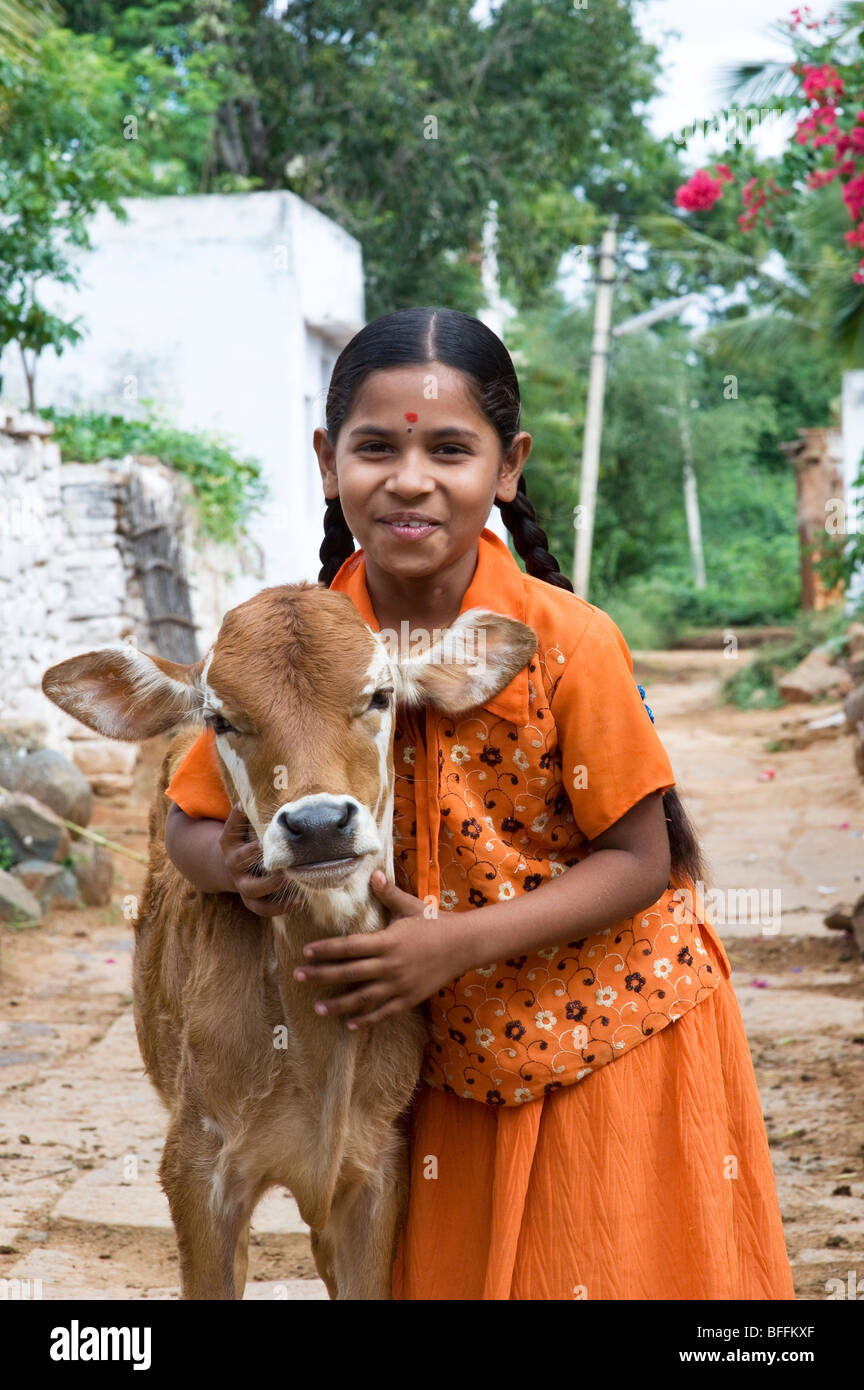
column 381, row 698
column 379, row 446
column 219, row 724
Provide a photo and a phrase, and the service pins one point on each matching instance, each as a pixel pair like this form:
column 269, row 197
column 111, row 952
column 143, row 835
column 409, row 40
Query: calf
column 301, row 694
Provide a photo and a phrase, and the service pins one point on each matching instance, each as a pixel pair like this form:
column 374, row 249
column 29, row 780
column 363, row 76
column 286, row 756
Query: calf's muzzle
column 320, row 829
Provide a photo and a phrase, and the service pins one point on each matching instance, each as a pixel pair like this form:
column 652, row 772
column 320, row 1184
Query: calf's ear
column 123, row 693
column 472, row 661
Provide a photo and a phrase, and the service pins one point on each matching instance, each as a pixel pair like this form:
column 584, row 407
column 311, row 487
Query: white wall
column 225, row 310
column 228, row 311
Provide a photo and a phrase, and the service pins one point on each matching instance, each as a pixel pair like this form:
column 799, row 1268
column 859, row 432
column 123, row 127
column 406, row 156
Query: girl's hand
column 267, row 895
column 392, row 969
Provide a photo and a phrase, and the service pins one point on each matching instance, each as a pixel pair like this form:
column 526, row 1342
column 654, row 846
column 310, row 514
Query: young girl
column 588, row 1123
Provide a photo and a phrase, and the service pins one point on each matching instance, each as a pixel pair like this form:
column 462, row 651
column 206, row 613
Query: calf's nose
column 320, row 830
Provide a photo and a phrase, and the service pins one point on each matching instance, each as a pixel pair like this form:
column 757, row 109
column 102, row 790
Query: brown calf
column 261, row 1090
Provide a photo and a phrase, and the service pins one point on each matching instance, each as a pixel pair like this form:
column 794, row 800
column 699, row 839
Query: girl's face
column 434, row 465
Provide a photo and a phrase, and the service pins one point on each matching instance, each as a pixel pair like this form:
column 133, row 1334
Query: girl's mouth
column 410, row 530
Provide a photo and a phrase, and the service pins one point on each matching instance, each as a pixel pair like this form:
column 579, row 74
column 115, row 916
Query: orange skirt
column 651, row 1179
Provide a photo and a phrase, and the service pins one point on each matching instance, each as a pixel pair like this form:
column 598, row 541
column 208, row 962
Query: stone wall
column 68, row 580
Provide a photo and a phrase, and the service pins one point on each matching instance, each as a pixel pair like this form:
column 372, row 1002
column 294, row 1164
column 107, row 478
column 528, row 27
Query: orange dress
column 594, row 1166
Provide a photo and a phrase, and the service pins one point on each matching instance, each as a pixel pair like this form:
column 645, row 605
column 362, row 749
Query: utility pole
column 691, row 496
column 494, row 314
column 594, row 413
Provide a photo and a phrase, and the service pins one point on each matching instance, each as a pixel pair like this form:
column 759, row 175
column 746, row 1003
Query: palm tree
column 754, row 84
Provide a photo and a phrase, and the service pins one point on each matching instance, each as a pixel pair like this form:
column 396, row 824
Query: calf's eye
column 219, row 724
column 381, row 698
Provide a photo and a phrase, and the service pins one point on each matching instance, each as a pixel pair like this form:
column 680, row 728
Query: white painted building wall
column 228, row 311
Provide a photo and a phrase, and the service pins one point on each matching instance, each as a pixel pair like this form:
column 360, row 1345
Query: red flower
column 699, row 193
column 822, row 79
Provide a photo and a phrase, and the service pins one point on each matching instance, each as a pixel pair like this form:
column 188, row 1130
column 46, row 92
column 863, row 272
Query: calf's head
column 301, row 696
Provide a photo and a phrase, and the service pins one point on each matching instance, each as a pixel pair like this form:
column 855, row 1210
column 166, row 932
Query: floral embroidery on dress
column 513, row 1030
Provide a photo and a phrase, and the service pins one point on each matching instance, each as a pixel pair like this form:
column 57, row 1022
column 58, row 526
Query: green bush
column 227, row 489
column 647, row 611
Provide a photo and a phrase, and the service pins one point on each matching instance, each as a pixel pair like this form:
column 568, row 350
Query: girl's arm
column 393, row 969
column 627, row 870
column 219, row 857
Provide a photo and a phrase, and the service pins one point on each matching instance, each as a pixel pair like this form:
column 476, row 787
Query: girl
column 588, row 1123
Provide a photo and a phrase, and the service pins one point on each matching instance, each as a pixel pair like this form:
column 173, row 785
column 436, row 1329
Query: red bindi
column 411, row 415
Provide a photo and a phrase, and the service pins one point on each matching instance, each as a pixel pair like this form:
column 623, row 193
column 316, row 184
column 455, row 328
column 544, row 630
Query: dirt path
column 80, row 1128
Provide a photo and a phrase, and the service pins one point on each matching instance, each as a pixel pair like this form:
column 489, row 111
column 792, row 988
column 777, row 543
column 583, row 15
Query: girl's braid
column 530, row 539
column 338, row 542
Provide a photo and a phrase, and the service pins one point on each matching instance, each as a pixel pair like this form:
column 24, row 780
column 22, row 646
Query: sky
column 713, row 34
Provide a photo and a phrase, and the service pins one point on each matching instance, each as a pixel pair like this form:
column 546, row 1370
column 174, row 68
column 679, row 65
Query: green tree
column 403, row 122
column 641, row 567
column 22, row 23
column 62, row 156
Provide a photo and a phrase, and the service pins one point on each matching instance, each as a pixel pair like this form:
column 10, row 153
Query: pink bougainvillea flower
column 699, row 193
column 821, row 79
column 853, row 197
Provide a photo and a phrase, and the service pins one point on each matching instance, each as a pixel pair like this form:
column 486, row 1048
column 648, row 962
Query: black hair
column 421, row 336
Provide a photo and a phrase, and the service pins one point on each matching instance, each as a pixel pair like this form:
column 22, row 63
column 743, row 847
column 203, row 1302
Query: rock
column 52, row 884
column 53, row 780
column 25, row 734
column 17, row 903
column 94, row 872
column 9, row 760
column 32, row 830
column 815, row 677
column 107, row 765
column 858, row 924
column 855, row 641
column 853, row 708
column 854, row 712
column 840, row 917
column 23, row 422
column 800, row 733
column 63, row 892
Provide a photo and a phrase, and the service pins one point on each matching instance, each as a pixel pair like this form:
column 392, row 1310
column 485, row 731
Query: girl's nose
column 410, row 475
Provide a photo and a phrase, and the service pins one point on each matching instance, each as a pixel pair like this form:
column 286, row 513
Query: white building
column 228, row 312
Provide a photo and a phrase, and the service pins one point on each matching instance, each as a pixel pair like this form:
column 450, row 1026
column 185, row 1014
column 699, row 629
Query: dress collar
column 497, row 584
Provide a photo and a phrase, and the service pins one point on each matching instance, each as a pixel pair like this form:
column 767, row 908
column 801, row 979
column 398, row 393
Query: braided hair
column 420, row 336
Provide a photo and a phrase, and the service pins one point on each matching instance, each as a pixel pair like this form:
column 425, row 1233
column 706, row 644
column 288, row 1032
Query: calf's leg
column 211, row 1208
column 322, row 1253
column 363, row 1230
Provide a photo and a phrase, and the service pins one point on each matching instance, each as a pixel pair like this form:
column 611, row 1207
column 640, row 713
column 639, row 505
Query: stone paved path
column 81, row 1128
